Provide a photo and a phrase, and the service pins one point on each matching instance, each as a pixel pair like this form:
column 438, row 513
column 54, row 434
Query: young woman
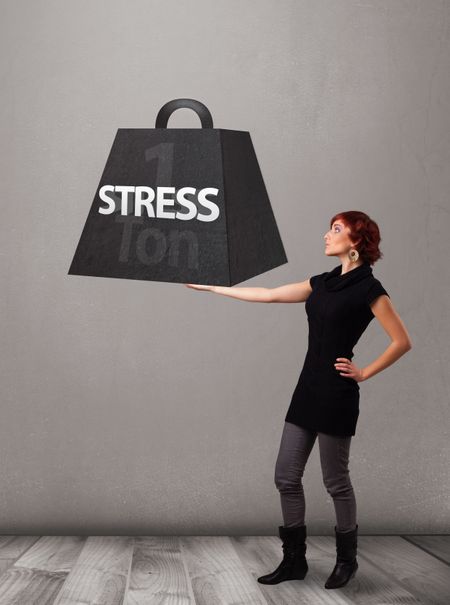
column 340, row 304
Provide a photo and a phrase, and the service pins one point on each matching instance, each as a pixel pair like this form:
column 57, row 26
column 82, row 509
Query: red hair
column 364, row 231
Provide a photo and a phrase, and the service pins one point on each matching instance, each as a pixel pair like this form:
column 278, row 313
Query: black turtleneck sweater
column 338, row 311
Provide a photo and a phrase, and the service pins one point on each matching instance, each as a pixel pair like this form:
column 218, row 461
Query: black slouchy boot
column 346, row 564
column 294, row 565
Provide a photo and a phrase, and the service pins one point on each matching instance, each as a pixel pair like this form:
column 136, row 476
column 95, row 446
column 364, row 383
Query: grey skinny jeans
column 295, row 447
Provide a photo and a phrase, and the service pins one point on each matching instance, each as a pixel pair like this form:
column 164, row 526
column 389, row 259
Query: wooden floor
column 209, row 570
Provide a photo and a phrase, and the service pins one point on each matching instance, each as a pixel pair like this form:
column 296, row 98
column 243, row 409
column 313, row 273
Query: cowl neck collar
column 335, row 281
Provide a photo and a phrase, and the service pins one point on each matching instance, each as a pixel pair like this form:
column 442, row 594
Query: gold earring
column 353, row 255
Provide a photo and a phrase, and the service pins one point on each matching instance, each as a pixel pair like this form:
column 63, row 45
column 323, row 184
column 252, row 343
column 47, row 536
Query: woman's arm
column 388, row 317
column 290, row 293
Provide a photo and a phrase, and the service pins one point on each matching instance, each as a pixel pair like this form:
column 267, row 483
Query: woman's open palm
column 199, row 287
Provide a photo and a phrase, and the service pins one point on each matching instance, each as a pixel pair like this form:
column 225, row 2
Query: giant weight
column 185, row 205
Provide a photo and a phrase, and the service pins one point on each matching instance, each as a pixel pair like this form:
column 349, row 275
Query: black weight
column 209, row 221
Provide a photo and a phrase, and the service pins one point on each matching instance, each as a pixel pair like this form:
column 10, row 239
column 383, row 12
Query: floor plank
column 100, row 574
column 417, row 571
column 39, row 573
column 12, row 547
column 158, row 573
column 53, row 553
column 20, row 585
column 438, row 546
column 217, row 574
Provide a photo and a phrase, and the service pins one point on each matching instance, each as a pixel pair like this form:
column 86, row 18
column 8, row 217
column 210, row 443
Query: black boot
column 346, row 564
column 294, row 565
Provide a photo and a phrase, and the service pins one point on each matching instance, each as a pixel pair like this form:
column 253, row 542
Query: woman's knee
column 338, row 485
column 285, row 480
column 279, row 477
column 285, row 485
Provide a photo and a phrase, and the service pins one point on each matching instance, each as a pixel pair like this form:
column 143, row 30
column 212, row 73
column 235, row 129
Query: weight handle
column 167, row 109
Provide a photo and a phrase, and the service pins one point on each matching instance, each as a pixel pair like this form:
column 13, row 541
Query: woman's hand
column 200, row 287
column 349, row 369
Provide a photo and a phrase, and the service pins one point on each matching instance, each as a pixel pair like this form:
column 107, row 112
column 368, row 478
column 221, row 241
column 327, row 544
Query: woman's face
column 337, row 240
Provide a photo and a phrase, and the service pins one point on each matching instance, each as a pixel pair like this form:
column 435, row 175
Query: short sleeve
column 313, row 279
column 374, row 291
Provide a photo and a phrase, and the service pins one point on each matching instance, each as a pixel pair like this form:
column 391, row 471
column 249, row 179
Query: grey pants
column 295, row 447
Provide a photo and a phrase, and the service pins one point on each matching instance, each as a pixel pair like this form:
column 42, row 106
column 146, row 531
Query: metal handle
column 167, row 109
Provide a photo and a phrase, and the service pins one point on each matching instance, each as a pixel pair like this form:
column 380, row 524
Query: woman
column 340, row 305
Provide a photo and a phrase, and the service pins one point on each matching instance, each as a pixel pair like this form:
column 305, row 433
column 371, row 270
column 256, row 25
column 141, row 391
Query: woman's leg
column 334, row 458
column 295, row 447
column 296, row 444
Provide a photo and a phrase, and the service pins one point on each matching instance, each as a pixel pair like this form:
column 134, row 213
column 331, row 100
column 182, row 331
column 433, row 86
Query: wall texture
column 132, row 406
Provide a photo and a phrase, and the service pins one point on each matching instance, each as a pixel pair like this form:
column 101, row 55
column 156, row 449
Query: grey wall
column 133, row 406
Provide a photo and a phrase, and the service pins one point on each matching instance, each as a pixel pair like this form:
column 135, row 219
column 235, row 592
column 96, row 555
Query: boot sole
column 284, row 580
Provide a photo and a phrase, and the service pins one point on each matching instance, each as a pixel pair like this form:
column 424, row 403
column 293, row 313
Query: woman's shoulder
column 315, row 278
column 374, row 288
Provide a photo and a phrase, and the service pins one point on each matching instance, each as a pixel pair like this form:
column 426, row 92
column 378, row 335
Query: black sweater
column 338, row 311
